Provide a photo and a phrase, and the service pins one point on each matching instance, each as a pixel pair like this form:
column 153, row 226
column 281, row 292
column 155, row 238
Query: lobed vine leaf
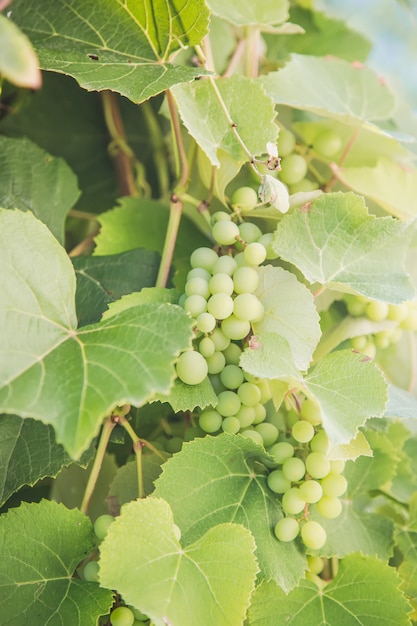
column 406, row 539
column 184, row 397
column 18, row 61
column 124, row 486
column 37, row 565
column 338, row 244
column 269, row 356
column 174, row 584
column 80, row 39
column 246, row 13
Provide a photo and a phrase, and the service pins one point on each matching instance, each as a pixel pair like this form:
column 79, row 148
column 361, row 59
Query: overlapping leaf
column 66, row 378
column 244, row 13
column 123, row 46
column 18, row 61
column 269, row 356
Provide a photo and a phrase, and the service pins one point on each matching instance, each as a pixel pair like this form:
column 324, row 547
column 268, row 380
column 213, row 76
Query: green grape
column 317, row 465
column 193, row 432
column 315, row 564
column 334, row 485
column 277, row 482
column 337, row 466
column 359, row 343
column 320, row 442
column 293, row 502
column 219, row 216
column 291, row 418
column 249, row 232
column 377, row 311
column 370, row 348
column 252, row 434
column 310, row 411
column 249, row 394
column 219, row 339
column 286, row 142
column 232, row 376
column 286, row 529
column 265, row 390
column 294, row 469
column 232, row 354
column 215, row 362
column 245, row 198
column 197, row 286
column 254, row 253
column 198, row 272
column 139, row 616
column 269, row 433
column 191, row 367
column 329, row 507
column 102, row 524
column 246, row 306
column 311, row 491
column 397, row 312
column 210, row 421
column 304, row 186
column 313, row 535
column 228, row 403
column 221, row 283
column 122, row 616
column 282, row 451
column 260, row 413
column 327, row 143
column 225, row 233
column 266, row 240
column 174, row 444
column 220, row 305
column 246, row 416
column 410, row 320
column 245, row 280
column 224, row 265
column 203, row 257
column 231, row 424
column 356, row 305
column 293, row 169
column 234, row 328
column 205, row 322
column 382, row 340
column 303, row 431
column 195, row 305
column 240, row 259
column 90, row 572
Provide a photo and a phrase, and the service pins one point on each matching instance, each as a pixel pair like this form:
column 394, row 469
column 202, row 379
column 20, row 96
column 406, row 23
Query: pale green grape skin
column 221, row 283
column 334, row 485
column 286, row 529
column 224, row 265
column 102, row 525
column 359, row 343
column 303, row 431
column 205, row 322
column 203, row 257
column 315, row 564
column 210, row 421
column 254, row 253
column 320, row 442
column 234, row 328
column 294, row 469
column 220, row 340
column 231, row 425
column 329, row 507
column 377, row 311
column 245, row 198
column 313, row 535
column 304, row 186
column 277, row 482
column 219, row 216
column 282, row 451
column 286, row 142
column 317, row 465
column 139, row 616
column 197, row 286
column 337, row 466
column 266, row 240
column 249, row 394
column 246, row 416
column 293, row 169
column 249, row 232
column 252, row 434
column 397, row 312
column 293, row 502
column 195, row 305
column 310, row 411
column 268, row 432
column 228, row 403
column 246, row 306
column 90, row 572
column 122, row 616
column 232, row 354
column 245, row 280
column 191, row 367
column 174, row 444
column 260, row 413
column 198, row 272
column 215, row 362
column 410, row 320
column 225, row 232
column 220, row 305
column 311, row 491
column 327, row 143
column 355, row 305
column 232, row 376
column 265, row 390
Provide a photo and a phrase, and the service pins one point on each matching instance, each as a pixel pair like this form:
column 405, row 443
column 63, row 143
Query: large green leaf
column 31, row 179
column 124, row 486
column 338, row 244
column 208, row 582
column 246, row 12
column 406, row 538
column 184, row 397
column 123, row 46
column 18, row 61
column 365, row 592
column 217, row 479
column 40, row 548
column 269, row 356
column 66, row 378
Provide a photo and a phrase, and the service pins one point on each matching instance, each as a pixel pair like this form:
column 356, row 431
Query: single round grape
column 198, row 272
column 377, row 311
column 249, row 232
column 197, row 286
column 234, row 328
column 90, row 572
column 293, row 169
column 219, row 216
column 245, row 279
column 225, row 233
column 269, row 433
column 193, row 432
column 224, row 265
column 221, row 283
column 203, row 257
column 252, row 434
column 210, row 421
column 294, row 469
column 397, row 312
column 329, row 507
column 254, row 253
column 320, row 442
column 310, row 411
column 102, row 525
column 191, row 367
column 277, row 482
column 282, row 451
column 286, row 142
column 410, row 320
column 246, row 416
column 232, row 376
column 327, row 143
column 311, row 491
column 219, row 339
column 260, row 413
column 334, row 485
column 245, row 198
column 174, row 444
column 122, row 616
column 228, row 403
column 195, row 305
column 293, row 502
column 232, row 354
column 286, row 529
column 382, row 340
column 231, row 425
column 303, row 431
column 266, row 240
column 246, row 306
column 205, row 322
column 265, row 390
column 249, row 394
column 337, row 466
column 220, row 305
column 315, row 564
column 215, row 362
column 317, row 465
column 370, row 348
column 359, row 343
column 313, row 535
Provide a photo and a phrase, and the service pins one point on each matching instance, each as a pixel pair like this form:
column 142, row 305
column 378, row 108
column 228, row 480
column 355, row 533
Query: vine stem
column 342, row 159
column 252, row 51
column 159, row 153
column 107, row 429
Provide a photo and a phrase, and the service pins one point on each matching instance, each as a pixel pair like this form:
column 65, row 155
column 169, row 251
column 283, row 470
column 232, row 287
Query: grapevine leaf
column 151, row 295
column 132, row 59
column 214, row 480
column 72, row 379
column 104, row 279
column 401, row 404
column 37, row 565
column 18, row 61
column 31, row 179
column 338, row 244
column 391, row 185
column 350, row 389
column 246, row 12
column 269, row 356
column 28, row 452
column 406, row 538
column 172, row 584
column 348, row 92
column 357, row 447
column 365, row 592
column 289, row 312
column 367, row 474
column 124, row 486
column 184, row 397
column 250, row 109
